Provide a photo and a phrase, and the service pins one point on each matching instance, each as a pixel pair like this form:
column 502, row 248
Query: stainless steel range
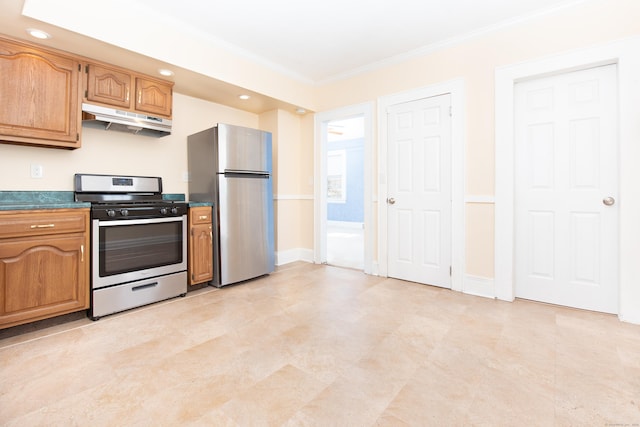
column 138, row 242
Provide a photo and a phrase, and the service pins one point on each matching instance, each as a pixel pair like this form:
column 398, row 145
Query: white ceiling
column 327, row 39
column 314, row 42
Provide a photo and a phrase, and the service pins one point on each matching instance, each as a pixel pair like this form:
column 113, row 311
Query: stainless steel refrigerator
column 231, row 167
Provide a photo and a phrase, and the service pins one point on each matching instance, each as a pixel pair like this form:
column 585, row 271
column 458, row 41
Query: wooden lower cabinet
column 200, row 262
column 44, row 264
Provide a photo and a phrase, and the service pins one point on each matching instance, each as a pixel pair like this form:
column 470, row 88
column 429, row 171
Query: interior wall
column 307, row 175
column 582, row 25
column 293, row 183
column 108, row 152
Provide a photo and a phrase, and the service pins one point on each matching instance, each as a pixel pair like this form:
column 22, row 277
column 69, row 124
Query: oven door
column 134, row 249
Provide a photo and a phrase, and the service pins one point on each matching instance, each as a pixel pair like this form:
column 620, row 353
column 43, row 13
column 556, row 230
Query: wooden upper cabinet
column 40, row 95
column 119, row 87
column 108, row 86
column 154, row 97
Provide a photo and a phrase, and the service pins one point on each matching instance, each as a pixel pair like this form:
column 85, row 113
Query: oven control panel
column 138, row 211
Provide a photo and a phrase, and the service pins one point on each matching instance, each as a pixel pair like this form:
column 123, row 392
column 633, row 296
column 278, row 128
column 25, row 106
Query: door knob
column 391, row 200
column 608, row 201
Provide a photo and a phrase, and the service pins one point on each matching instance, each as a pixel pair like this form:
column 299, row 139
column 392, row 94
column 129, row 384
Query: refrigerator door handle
column 230, row 173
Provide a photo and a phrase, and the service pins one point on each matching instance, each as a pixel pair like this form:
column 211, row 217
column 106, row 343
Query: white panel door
column 566, row 212
column 419, row 191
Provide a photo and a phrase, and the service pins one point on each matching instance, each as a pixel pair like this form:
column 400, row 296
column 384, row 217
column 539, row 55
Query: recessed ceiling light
column 165, row 72
column 244, row 97
column 39, row 34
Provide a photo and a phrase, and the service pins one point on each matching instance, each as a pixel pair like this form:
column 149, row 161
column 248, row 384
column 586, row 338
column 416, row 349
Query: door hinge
column 450, row 110
column 86, row 68
column 450, row 271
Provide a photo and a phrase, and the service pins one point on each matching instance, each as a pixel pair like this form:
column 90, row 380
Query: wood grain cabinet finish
column 108, row 86
column 40, row 94
column 200, row 263
column 128, row 90
column 44, row 264
column 154, row 97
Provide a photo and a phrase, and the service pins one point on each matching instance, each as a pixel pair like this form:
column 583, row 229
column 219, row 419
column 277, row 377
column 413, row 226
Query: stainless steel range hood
column 106, row 118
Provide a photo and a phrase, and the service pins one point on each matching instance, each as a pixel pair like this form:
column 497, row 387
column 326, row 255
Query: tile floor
column 316, row 345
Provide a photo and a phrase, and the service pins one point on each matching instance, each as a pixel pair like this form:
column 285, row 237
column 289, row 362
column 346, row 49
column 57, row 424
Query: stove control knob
column 124, row 212
column 174, row 210
column 111, row 212
column 163, row 211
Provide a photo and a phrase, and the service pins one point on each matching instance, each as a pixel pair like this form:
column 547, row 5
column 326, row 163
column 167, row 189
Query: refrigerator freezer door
column 246, row 238
column 243, row 149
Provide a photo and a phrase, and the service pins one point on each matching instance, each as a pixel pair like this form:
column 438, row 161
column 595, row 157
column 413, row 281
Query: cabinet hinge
column 86, row 68
column 77, row 137
column 79, row 67
column 86, row 93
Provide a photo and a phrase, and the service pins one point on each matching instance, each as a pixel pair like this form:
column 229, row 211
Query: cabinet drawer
column 43, row 223
column 200, row 215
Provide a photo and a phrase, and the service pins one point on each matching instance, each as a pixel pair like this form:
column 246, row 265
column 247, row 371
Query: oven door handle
column 139, row 221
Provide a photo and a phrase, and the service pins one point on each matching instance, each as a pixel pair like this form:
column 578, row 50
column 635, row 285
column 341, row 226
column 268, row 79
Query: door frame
column 456, row 89
column 624, row 54
column 321, row 121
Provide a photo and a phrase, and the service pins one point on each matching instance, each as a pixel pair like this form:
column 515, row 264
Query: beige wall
column 293, row 178
column 119, row 153
column 586, row 24
column 475, row 61
column 105, row 152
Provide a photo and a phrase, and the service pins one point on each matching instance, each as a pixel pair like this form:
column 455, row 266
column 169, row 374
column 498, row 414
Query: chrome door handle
column 608, row 201
column 391, row 200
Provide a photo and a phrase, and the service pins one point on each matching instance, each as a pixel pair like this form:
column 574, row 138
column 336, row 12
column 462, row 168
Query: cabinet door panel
column 40, row 96
column 201, row 254
column 108, row 86
column 200, row 245
column 43, row 276
column 153, row 97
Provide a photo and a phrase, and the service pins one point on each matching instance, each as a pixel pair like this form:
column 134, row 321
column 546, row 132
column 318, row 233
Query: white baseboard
column 293, row 255
column 629, row 319
column 479, row 286
column 374, row 269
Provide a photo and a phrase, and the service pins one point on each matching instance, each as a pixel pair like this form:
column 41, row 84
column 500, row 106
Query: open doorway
column 345, row 192
column 344, row 134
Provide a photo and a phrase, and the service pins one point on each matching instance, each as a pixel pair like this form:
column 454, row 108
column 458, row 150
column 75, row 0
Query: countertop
column 31, row 200
column 199, row 204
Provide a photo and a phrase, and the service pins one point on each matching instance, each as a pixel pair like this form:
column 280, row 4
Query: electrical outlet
column 36, row 171
column 185, row 176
